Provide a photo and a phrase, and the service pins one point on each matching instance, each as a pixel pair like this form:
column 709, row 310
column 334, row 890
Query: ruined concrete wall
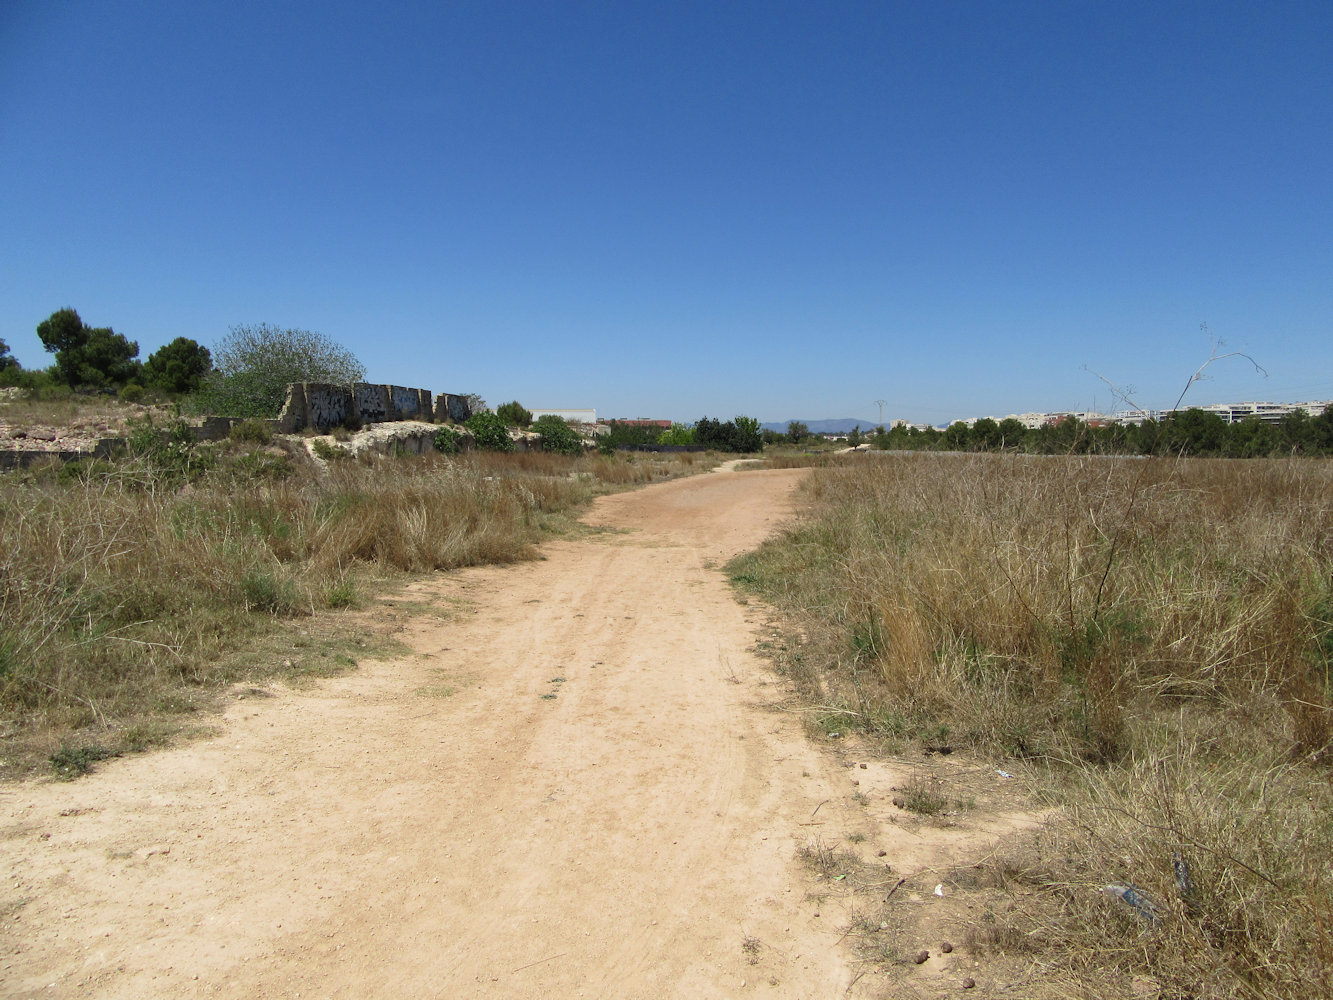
column 327, row 405
column 449, row 407
column 405, row 404
column 293, row 415
column 319, row 405
column 372, row 403
column 22, row 458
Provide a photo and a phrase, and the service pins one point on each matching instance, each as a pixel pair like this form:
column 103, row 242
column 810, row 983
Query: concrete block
column 293, row 416
column 449, row 407
column 372, row 402
column 326, row 405
column 404, row 403
column 217, row 428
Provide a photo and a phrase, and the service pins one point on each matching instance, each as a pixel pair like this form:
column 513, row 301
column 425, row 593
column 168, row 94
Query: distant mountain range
column 840, row 425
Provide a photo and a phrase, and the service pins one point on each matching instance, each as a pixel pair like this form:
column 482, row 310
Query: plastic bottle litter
column 1131, row 896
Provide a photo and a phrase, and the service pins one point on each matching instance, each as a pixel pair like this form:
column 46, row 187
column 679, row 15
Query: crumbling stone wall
column 372, row 402
column 450, row 407
column 327, row 405
column 320, row 405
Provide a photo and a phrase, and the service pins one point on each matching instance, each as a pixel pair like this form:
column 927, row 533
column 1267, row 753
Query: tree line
column 244, row 375
column 1193, row 431
column 740, row 435
column 97, row 359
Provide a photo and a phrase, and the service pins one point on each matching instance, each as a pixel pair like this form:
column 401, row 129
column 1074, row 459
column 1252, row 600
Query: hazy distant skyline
column 776, row 209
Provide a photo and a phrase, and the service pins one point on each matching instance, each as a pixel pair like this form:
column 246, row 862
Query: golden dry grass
column 132, row 589
column 1156, row 634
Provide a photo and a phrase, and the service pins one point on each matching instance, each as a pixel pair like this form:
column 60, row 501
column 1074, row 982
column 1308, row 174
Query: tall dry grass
column 127, row 589
column 1157, row 634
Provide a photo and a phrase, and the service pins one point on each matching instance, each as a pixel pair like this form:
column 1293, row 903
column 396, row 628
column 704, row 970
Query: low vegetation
column 132, row 592
column 1188, row 432
column 1153, row 638
column 740, row 434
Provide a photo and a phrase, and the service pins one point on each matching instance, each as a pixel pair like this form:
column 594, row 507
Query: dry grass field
column 1154, row 638
column 132, row 592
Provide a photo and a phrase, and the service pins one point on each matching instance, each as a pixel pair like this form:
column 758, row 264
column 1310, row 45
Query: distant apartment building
column 1231, row 413
column 1269, row 413
column 570, row 416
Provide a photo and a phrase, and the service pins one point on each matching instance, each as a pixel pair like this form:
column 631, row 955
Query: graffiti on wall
column 320, row 405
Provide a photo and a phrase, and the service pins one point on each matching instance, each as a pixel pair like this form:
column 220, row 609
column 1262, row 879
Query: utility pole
column 880, row 403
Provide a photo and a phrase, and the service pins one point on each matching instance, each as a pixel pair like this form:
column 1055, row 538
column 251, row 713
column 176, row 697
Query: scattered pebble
column 863, row 767
column 968, row 983
column 921, row 956
column 882, row 854
column 946, row 947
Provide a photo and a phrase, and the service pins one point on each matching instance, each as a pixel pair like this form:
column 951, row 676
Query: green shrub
column 558, row 436
column 261, row 465
column 83, row 470
column 255, row 363
column 448, row 440
column 253, row 430
column 514, row 414
column 329, row 452
column 490, row 432
column 265, row 592
column 133, row 392
column 169, row 451
column 739, row 435
column 679, row 435
column 619, row 432
column 342, row 595
column 70, row 762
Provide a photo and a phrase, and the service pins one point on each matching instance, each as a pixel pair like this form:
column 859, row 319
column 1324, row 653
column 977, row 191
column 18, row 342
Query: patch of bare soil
column 581, row 782
column 69, row 425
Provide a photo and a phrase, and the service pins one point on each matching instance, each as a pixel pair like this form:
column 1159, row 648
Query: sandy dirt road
column 577, row 784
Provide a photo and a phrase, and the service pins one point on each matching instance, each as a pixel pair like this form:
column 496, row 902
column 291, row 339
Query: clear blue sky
column 689, row 208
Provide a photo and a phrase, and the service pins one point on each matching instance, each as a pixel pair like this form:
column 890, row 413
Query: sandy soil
column 580, row 782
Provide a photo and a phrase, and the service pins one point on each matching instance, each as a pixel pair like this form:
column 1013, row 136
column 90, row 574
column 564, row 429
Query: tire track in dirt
column 440, row 826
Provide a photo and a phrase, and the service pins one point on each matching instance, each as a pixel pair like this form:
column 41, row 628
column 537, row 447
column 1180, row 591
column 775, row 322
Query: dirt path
column 576, row 785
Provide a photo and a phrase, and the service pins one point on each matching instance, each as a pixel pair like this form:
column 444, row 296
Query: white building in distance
column 569, row 416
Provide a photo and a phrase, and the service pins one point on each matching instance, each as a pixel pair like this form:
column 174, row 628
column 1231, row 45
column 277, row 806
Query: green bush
column 178, row 367
column 7, row 360
column 739, row 435
column 170, row 451
column 678, row 435
column 260, row 465
column 620, row 433
column 70, row 762
column 253, row 429
column 490, row 432
column 329, row 452
column 514, row 414
column 264, row 592
column 254, row 364
column 133, row 392
column 448, row 440
column 558, row 436
column 342, row 594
